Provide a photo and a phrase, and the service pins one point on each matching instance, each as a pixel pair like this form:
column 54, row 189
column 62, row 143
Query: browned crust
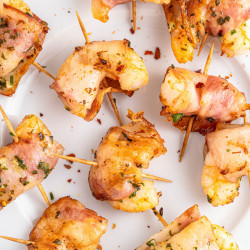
column 112, row 86
column 70, row 210
column 201, row 126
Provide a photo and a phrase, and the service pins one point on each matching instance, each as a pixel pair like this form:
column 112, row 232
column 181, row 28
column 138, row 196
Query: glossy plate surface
column 79, row 137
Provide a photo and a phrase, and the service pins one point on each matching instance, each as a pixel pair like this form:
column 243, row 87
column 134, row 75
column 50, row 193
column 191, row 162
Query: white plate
column 79, row 137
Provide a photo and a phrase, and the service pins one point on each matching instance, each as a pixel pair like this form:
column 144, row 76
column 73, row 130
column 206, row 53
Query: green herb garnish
column 177, row 117
column 20, row 163
column 150, row 243
column 57, row 241
column 51, row 196
column 11, row 80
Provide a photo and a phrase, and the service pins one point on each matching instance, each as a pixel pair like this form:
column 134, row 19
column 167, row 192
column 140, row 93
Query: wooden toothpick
column 158, row 215
column 11, row 129
column 13, row 133
column 134, row 14
column 202, row 43
column 38, row 66
column 43, row 193
column 25, row 242
column 111, row 99
column 191, row 119
column 95, row 164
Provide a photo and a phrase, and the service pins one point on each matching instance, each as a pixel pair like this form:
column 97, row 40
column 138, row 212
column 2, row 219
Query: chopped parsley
column 11, row 80
column 150, row 243
column 169, row 245
column 51, row 138
column 26, row 182
column 57, row 214
column 132, row 195
column 20, row 163
column 217, row 2
column 51, row 196
column 209, row 199
column 177, row 117
column 214, row 14
column 233, row 32
column 3, row 56
column 126, row 136
column 222, row 20
column 2, row 82
column 57, row 241
column 45, row 168
column 41, row 136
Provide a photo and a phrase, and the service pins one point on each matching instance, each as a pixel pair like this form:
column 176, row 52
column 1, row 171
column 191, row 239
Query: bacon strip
column 68, row 224
column 21, row 39
column 212, row 98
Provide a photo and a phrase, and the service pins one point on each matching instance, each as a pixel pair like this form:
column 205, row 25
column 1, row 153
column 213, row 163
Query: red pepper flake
column 148, row 52
column 199, row 85
column 157, row 53
column 120, row 68
column 226, row 77
column 161, row 211
column 41, row 114
column 148, row 226
column 78, row 170
column 104, row 62
column 198, row 71
column 69, row 180
column 67, row 166
column 113, row 226
column 99, row 121
column 71, row 155
column 132, row 31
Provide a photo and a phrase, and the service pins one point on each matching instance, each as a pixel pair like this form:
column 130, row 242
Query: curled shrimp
column 144, row 199
column 219, row 191
column 236, row 41
column 96, row 69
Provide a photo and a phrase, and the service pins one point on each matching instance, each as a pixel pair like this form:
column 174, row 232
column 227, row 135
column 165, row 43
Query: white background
column 79, row 137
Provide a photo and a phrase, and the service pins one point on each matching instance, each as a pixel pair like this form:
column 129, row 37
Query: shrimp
column 191, row 231
column 96, row 69
column 22, row 36
column 182, row 46
column 190, row 20
column 121, row 156
column 219, row 191
column 26, row 163
column 185, row 93
column 68, row 224
column 18, row 4
column 226, row 161
column 236, row 41
column 142, row 200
